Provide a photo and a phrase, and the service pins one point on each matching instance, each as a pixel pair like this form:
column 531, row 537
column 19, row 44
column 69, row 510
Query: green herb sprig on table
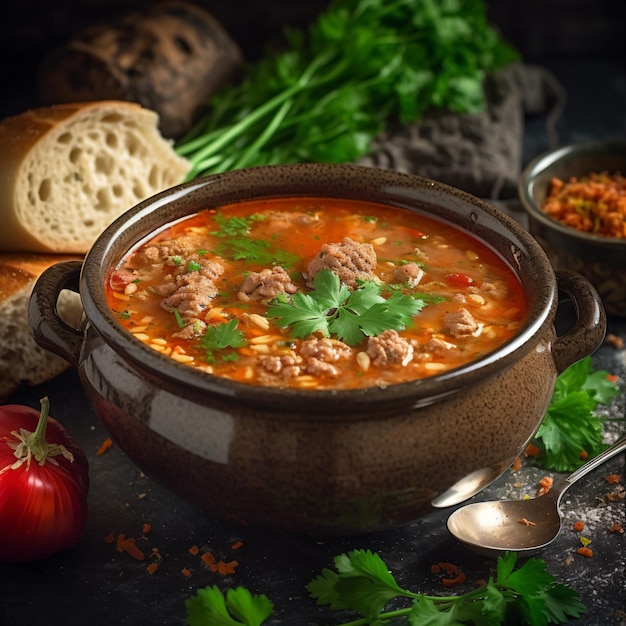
column 360, row 67
column 332, row 309
column 362, row 583
column 571, row 425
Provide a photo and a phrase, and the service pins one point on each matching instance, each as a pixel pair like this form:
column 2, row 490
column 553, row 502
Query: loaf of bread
column 21, row 359
column 67, row 171
column 170, row 57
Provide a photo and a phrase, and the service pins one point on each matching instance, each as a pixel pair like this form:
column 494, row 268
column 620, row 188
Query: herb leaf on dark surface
column 571, row 425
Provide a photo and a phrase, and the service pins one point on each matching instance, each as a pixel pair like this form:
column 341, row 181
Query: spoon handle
column 607, row 454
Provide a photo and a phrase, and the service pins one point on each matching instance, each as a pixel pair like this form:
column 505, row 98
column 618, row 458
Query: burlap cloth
column 479, row 153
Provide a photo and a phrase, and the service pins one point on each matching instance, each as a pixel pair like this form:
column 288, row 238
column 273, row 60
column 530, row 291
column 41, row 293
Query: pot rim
column 402, row 190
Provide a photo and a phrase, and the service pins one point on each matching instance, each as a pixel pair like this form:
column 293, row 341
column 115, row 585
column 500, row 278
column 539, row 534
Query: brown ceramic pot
column 319, row 462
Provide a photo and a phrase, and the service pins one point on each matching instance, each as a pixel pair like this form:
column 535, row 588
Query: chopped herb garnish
column 179, row 319
column 177, row 260
column 241, row 246
column 125, row 314
column 223, row 336
column 332, row 309
column 192, row 266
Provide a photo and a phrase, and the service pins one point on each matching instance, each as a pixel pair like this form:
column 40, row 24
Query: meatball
column 389, row 348
column 349, row 260
column 266, row 284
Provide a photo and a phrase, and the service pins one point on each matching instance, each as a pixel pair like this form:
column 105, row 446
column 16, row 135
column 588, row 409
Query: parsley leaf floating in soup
column 317, row 293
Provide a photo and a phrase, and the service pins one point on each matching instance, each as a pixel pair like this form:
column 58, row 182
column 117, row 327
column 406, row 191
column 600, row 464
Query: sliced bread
column 21, row 359
column 67, row 171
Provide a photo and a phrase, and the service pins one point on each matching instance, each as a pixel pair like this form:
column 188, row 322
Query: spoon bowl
column 523, row 526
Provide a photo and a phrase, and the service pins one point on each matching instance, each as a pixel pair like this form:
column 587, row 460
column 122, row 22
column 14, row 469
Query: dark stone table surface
column 94, row 584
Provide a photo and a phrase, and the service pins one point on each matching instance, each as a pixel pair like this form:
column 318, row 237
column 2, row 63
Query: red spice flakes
column 584, row 455
column 152, row 568
column 578, row 526
column 106, row 444
column 185, row 572
column 109, row 538
column 146, row 528
column 531, row 450
column 614, row 341
column 616, row 495
column 457, row 576
column 585, row 551
column 545, row 484
column 616, row 528
column 194, row 550
column 236, row 545
column 612, row 479
column 129, row 546
column 221, row 567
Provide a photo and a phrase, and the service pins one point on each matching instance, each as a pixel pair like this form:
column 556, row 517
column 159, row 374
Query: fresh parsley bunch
column 571, row 426
column 331, row 88
column 362, row 583
column 350, row 316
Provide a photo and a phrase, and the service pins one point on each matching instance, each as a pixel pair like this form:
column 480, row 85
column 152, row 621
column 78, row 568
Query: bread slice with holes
column 67, row 171
column 21, row 359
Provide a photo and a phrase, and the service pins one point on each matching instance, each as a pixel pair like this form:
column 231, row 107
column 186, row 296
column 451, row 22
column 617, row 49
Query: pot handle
column 49, row 330
column 589, row 330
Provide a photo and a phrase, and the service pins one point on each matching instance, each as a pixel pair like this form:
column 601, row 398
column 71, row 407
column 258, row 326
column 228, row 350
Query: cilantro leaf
column 222, row 336
column 238, row 608
column 570, row 425
column 332, row 309
column 240, row 245
column 361, row 583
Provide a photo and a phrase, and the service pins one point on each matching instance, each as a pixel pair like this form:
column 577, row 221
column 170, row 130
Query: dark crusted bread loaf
column 170, row 57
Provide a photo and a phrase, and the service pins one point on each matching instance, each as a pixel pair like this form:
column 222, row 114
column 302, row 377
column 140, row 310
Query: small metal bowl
column 600, row 259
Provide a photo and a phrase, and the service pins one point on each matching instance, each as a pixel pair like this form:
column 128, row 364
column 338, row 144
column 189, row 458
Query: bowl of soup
column 575, row 199
column 319, row 349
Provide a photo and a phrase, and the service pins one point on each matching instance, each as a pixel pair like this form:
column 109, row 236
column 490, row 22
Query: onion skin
column 43, row 505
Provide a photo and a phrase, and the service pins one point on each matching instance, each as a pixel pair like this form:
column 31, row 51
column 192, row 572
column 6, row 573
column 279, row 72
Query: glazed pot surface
column 327, row 462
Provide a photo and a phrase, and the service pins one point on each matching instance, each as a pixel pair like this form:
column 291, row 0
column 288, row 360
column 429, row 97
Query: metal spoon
column 523, row 526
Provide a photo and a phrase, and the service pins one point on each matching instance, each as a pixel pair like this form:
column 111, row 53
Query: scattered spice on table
column 129, row 545
column 616, row 528
column 455, row 576
column 585, row 551
column 595, row 203
column 531, row 450
column 612, row 479
column 545, row 484
column 579, row 526
column 526, row 522
column 152, row 568
column 614, row 341
column 104, row 446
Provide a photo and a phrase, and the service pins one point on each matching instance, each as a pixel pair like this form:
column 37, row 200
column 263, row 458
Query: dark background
column 539, row 29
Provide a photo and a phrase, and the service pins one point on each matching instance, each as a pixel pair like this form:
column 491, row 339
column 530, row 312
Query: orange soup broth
column 457, row 267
